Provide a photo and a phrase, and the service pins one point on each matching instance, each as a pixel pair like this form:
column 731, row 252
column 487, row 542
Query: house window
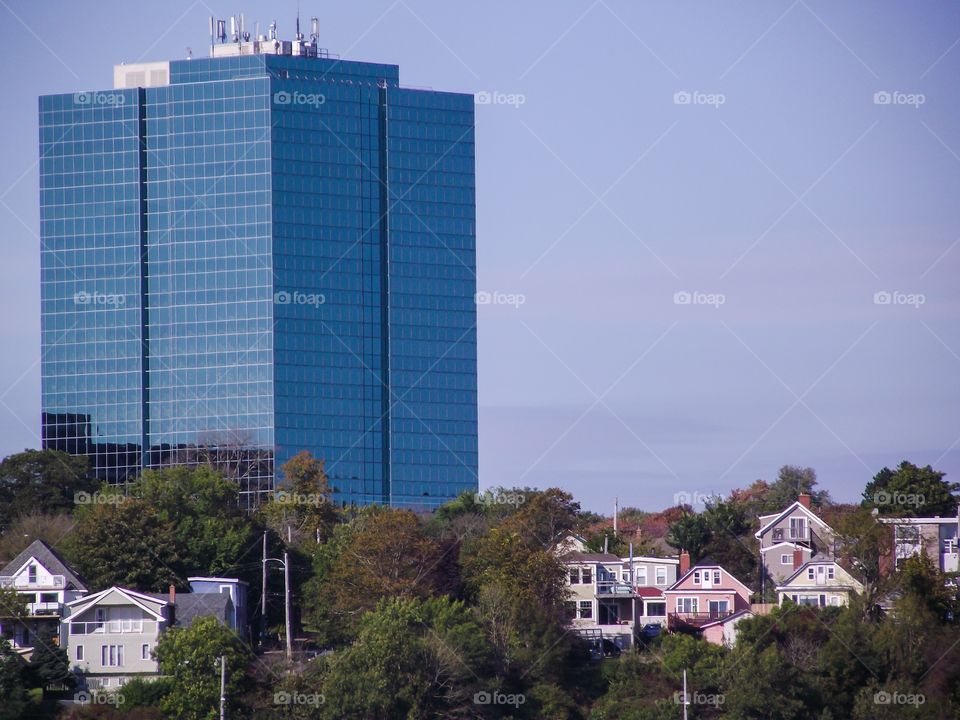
column 716, row 577
column 574, row 576
column 586, row 609
column 810, row 573
column 79, row 652
column 786, row 560
column 32, row 574
column 830, row 573
column 696, row 577
column 101, row 615
column 835, row 600
column 111, row 655
column 798, row 528
column 586, row 576
column 656, row 609
column 687, row 605
column 777, row 534
column 661, row 575
column 144, row 652
column 642, row 575
column 49, row 597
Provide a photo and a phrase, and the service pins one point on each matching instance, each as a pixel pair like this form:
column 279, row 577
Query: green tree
column 190, row 658
column 49, row 665
column 691, row 533
column 792, row 480
column 862, row 543
column 13, row 694
column 125, row 542
column 911, row 491
column 412, row 659
column 47, row 479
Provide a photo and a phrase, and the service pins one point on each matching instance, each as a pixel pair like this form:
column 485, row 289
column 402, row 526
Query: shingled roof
column 46, row 556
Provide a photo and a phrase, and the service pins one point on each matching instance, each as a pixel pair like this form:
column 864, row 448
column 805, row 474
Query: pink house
column 703, row 595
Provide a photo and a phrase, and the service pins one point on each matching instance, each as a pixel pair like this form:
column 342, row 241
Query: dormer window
column 716, row 577
column 696, row 577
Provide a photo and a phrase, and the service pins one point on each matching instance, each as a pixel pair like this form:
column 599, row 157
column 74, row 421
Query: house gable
column 794, row 510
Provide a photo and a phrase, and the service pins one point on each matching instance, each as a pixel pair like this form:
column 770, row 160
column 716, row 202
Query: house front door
column 718, row 608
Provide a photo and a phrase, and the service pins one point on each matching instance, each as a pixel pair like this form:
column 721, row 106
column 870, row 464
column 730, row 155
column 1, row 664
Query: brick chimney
column 173, row 594
column 797, row 558
column 684, row 562
column 804, row 499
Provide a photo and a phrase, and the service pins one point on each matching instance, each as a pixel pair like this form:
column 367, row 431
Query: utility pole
column 616, row 511
column 263, row 592
column 685, row 694
column 223, row 687
column 286, row 593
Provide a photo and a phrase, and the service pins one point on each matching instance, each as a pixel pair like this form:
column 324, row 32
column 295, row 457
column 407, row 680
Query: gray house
column 791, row 538
column 110, row 636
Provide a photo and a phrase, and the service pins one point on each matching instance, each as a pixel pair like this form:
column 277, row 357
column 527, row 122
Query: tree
column 190, row 658
column 45, row 479
column 303, row 508
column 690, row 533
column 126, row 543
column 13, row 694
column 412, row 659
column 49, row 666
column 862, row 543
column 792, row 480
column 34, row 525
column 911, row 491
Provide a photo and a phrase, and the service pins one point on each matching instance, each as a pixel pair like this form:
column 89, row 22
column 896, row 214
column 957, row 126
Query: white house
column 47, row 583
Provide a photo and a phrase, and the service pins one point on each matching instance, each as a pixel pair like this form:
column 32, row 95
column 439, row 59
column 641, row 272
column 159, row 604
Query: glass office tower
column 265, row 251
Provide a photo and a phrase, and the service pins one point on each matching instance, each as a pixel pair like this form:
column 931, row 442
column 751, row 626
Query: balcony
column 614, row 588
column 695, row 620
column 44, row 608
column 113, row 627
column 56, row 582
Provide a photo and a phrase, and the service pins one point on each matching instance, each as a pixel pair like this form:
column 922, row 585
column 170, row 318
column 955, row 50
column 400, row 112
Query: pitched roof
column 821, row 561
column 728, row 618
column 577, row 556
column 193, row 605
column 796, row 505
column 136, row 598
column 46, row 556
column 712, row 566
column 649, row 592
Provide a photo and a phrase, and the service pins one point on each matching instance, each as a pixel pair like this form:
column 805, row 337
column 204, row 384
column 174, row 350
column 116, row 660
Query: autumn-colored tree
column 302, row 510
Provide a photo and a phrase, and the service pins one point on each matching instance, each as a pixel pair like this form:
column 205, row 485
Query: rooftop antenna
column 315, row 29
column 233, row 28
column 222, row 30
column 213, row 25
column 243, row 33
column 299, row 34
column 273, row 30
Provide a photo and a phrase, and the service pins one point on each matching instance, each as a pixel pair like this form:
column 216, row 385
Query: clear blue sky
column 786, row 188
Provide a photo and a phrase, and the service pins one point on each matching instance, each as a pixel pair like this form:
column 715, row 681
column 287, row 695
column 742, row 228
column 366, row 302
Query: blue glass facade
column 266, row 255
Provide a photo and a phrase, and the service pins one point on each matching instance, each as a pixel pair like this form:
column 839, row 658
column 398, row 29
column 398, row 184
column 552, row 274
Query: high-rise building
column 261, row 252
